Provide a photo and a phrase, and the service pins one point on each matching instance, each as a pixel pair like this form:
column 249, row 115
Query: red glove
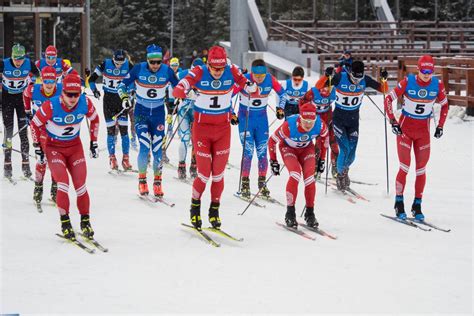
column 178, row 92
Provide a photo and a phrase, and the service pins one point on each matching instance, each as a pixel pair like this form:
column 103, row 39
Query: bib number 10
column 353, row 102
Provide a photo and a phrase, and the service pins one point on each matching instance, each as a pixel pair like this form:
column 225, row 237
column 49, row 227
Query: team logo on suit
column 16, row 73
column 216, row 84
column 116, row 72
column 152, row 79
column 69, row 118
column 422, row 93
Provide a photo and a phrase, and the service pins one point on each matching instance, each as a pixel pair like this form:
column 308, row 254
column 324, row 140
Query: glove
column 275, row 167
column 93, row 149
column 169, row 119
column 250, row 87
column 439, row 132
column 234, row 120
column 384, row 74
column 329, row 71
column 126, row 103
column 38, row 152
column 179, row 93
column 280, row 113
column 321, row 165
column 96, row 94
column 29, row 116
column 396, row 129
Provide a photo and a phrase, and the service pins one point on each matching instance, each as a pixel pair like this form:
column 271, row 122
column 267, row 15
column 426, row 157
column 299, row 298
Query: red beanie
column 308, row 111
column 51, row 51
column 426, row 62
column 48, row 72
column 217, row 57
column 72, row 83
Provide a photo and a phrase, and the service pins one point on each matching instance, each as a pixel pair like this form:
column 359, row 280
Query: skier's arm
column 95, row 75
column 34, row 72
column 324, row 81
column 397, row 92
column 27, row 95
column 93, row 118
column 44, row 114
column 173, row 79
column 127, row 81
column 380, row 87
column 239, row 78
column 276, row 86
column 185, row 84
column 443, row 101
column 324, row 139
column 66, row 68
column 308, row 97
column 279, row 135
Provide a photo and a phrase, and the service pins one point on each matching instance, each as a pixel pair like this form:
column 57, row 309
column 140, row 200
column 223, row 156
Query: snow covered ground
column 155, row 265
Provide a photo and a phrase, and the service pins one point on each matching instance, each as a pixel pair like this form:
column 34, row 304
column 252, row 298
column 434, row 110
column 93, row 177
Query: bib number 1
column 214, row 104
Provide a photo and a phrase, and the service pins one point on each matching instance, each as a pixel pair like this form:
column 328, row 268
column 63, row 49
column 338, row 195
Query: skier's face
column 307, row 125
column 51, row 60
column 425, row 77
column 70, row 99
column 154, row 64
column 49, row 85
column 259, row 77
column 297, row 80
column 216, row 72
column 18, row 61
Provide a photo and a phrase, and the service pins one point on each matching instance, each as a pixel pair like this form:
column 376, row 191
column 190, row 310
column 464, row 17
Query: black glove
column 126, row 103
column 321, row 165
column 93, row 149
column 38, row 152
column 280, row 113
column 439, row 132
column 234, row 120
column 275, row 167
column 329, row 71
column 96, row 94
column 384, row 74
column 396, row 129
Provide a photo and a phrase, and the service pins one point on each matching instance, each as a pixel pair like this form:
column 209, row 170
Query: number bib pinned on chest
column 418, row 101
column 214, row 96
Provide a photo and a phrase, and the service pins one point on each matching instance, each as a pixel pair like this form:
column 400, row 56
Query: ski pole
column 381, row 112
column 327, row 168
column 177, row 128
column 273, row 122
column 9, row 140
column 245, row 144
column 18, row 151
column 386, row 143
column 259, row 190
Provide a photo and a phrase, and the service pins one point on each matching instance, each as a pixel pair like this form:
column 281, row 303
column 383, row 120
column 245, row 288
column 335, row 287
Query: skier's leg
column 57, row 164
column 290, row 159
column 202, row 147
column 220, row 155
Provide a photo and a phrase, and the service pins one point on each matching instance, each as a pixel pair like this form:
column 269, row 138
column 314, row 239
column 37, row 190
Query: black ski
column 318, row 231
column 269, row 199
column 203, row 235
column 223, row 233
column 94, row 243
column 77, row 243
column 11, row 180
column 429, row 225
column 406, row 222
column 296, row 231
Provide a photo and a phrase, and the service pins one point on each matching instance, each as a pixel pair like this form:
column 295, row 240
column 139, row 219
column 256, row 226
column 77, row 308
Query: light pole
column 172, row 28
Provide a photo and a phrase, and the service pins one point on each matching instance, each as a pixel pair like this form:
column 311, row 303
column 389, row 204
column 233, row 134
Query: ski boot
column 245, row 188
column 142, row 184
column 193, row 168
column 214, row 218
column 113, row 162
column 66, row 227
column 347, row 181
column 309, row 217
column 340, row 181
column 157, row 189
column 25, row 167
column 333, row 169
column 416, row 210
column 400, row 208
column 264, row 192
column 38, row 192
column 196, row 213
column 182, row 170
column 290, row 217
column 126, row 163
column 54, row 191
column 7, row 170
column 165, row 158
column 86, row 228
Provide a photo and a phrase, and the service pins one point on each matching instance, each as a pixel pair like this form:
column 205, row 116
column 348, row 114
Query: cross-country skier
column 113, row 71
column 323, row 99
column 419, row 92
column 60, row 119
column 33, row 97
column 51, row 59
column 211, row 129
column 253, row 124
column 294, row 88
column 16, row 72
column 151, row 78
column 350, row 87
column 295, row 137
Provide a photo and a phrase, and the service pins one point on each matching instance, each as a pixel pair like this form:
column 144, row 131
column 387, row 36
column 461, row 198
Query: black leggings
column 112, row 107
column 10, row 104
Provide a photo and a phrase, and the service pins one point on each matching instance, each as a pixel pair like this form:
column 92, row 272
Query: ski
column 363, row 183
column 296, row 231
column 406, row 222
column 11, row 180
column 269, row 199
column 77, row 243
column 187, row 180
column 357, row 195
column 318, row 230
column 237, row 195
column 154, row 199
column 344, row 194
column 94, row 243
column 24, row 178
column 203, row 235
column 223, row 233
column 429, row 225
column 38, row 206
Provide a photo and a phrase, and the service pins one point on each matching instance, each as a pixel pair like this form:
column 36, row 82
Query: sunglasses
column 19, row 58
column 297, row 79
column 307, row 121
column 154, row 62
column 426, row 71
column 49, row 81
column 72, row 94
column 51, row 57
column 221, row 69
column 119, row 62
